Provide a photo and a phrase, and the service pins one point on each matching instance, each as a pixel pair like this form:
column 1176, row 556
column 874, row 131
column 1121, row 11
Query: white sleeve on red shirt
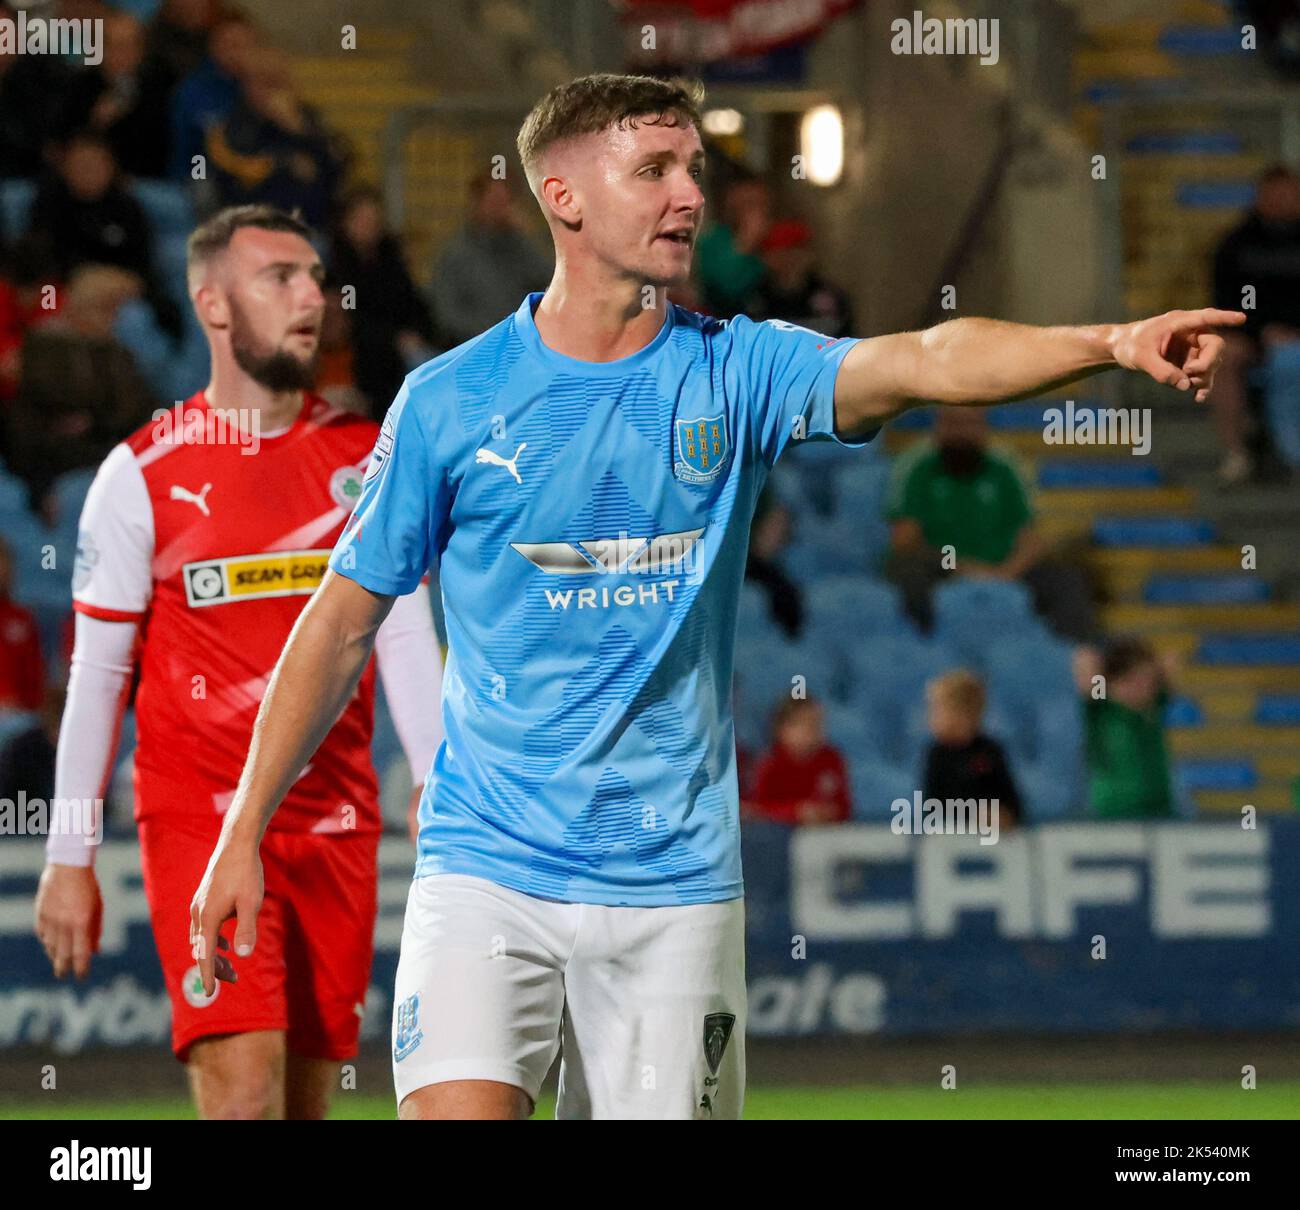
column 410, row 665
column 103, row 655
column 113, row 576
column 112, row 583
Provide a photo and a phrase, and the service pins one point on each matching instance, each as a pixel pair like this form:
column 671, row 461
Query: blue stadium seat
column 1205, row 590
column 875, row 784
column 1091, row 472
column 16, row 197
column 1252, row 649
column 1215, row 195
column 860, row 492
column 36, row 582
column 1278, row 709
column 1045, row 794
column 846, row 606
column 14, row 722
column 753, row 612
column 1282, row 401
column 1184, row 712
column 766, row 668
column 1215, row 774
column 1201, row 41
column 971, row 614
column 1152, row 531
column 166, row 205
column 13, row 496
column 70, row 491
column 169, row 261
column 1185, row 142
column 841, row 544
column 51, row 618
column 847, row 729
column 1126, row 88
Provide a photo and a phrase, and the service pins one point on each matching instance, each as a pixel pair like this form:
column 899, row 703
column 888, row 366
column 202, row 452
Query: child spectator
column 802, row 778
column 963, row 762
column 1125, row 691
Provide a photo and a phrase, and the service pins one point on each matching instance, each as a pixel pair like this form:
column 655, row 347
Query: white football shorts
column 646, row 1005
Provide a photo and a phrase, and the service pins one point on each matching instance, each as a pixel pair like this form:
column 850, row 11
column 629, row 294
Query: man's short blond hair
column 593, row 103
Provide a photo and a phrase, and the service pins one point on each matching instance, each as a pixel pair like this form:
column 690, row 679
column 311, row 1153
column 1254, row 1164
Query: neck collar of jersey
column 526, row 326
column 274, row 434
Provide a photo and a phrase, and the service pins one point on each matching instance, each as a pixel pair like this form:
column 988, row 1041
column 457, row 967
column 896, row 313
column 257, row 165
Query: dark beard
column 960, row 460
column 278, row 370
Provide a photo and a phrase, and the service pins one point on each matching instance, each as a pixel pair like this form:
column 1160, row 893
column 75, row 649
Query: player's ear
column 559, row 199
column 211, row 306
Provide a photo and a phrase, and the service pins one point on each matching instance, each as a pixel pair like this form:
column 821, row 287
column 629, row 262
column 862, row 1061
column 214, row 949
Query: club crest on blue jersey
column 702, row 449
column 407, row 1034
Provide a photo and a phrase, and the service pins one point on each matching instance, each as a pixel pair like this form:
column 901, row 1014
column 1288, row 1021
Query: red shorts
column 308, row 972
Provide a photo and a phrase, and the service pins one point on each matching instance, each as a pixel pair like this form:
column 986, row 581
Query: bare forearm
column 964, row 361
column 987, row 361
column 316, row 674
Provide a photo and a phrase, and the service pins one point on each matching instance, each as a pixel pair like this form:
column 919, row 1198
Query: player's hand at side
column 69, row 913
column 1179, row 348
column 232, row 886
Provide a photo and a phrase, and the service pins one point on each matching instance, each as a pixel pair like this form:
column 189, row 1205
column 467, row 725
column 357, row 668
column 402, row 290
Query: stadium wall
column 853, row 931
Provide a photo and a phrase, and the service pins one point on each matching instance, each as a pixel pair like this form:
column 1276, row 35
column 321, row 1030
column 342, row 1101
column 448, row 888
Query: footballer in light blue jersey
column 591, row 520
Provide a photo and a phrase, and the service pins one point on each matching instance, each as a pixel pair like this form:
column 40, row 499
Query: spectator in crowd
column 802, row 778
column 792, row 290
column 1262, row 255
column 124, row 98
column 177, row 39
column 769, row 535
column 272, row 147
column 83, row 214
column 208, row 93
column 32, row 88
column 27, row 756
column 728, row 262
column 957, row 493
column 336, row 365
column 80, row 391
column 1126, row 689
column 15, row 319
column 486, row 269
column 962, row 761
column 1278, row 24
column 22, row 669
column 391, row 329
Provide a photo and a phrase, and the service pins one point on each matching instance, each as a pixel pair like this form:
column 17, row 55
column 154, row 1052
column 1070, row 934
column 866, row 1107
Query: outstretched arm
column 986, row 361
column 315, row 676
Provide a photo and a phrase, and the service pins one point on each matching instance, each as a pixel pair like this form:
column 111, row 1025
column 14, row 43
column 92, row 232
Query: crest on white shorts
column 407, row 1034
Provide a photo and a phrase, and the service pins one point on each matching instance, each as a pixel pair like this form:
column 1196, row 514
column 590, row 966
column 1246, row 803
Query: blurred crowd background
column 868, row 665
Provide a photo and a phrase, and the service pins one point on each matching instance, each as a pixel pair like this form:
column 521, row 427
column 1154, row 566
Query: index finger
column 1211, row 317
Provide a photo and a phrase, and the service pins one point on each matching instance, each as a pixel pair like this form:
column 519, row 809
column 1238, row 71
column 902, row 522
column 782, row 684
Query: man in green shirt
column 1125, row 694
column 957, row 508
column 727, row 258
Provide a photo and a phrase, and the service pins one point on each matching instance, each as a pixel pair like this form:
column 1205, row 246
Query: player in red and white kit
column 202, row 539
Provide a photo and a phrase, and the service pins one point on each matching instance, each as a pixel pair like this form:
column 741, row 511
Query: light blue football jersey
column 591, row 520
